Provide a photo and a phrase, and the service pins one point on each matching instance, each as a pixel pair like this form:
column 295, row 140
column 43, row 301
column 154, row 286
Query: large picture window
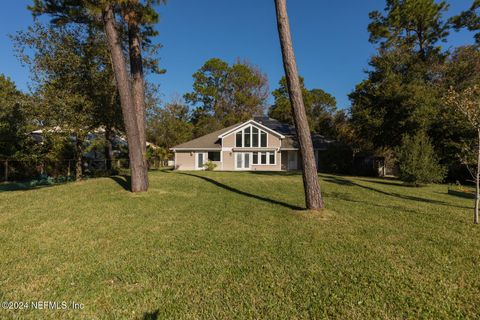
column 214, row 155
column 251, row 137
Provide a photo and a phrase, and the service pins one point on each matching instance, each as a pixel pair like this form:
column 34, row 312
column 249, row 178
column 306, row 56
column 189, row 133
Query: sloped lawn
column 208, row 245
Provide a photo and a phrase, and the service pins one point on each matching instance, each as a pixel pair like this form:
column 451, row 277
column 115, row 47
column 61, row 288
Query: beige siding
column 184, row 160
column 273, row 141
column 229, row 141
column 228, row 161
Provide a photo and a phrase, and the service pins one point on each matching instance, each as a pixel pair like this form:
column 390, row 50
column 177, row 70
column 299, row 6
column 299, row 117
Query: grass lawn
column 203, row 245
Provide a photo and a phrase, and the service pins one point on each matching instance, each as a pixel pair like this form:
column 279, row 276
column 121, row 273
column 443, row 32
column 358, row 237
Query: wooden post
column 68, row 170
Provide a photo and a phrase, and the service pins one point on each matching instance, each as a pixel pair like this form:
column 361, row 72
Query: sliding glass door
column 243, row 161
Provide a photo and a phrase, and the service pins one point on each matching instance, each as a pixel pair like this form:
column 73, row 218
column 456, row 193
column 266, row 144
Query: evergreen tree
column 139, row 18
column 418, row 161
column 469, row 19
column 320, row 107
column 224, row 95
column 74, row 81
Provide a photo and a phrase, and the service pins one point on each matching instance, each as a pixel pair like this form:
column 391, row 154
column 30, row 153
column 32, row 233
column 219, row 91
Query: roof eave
column 250, row 122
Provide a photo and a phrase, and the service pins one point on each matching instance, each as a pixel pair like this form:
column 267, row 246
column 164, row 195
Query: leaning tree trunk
column 137, row 163
column 477, row 182
column 138, row 83
column 313, row 195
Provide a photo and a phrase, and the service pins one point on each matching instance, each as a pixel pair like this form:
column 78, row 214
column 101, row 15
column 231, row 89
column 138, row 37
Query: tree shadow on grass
column 151, row 315
column 387, row 182
column 243, row 193
column 19, row 186
column 123, row 181
column 346, row 182
column 277, row 173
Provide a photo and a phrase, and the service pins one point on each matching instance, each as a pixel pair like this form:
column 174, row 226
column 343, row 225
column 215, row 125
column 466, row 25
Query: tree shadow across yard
column 347, row 182
column 19, row 186
column 244, row 193
column 151, row 315
column 123, row 181
column 387, row 182
column 277, row 173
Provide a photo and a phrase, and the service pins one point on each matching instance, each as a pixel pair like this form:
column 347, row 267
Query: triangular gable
column 251, row 122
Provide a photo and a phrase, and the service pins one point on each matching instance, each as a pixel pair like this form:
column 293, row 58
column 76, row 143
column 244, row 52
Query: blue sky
column 330, row 40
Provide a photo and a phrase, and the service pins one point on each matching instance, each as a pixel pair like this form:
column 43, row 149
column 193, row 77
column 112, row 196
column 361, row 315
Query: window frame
column 219, row 156
column 255, row 155
column 250, row 128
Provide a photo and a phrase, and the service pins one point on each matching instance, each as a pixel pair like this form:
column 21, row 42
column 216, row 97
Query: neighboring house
column 260, row 144
column 118, row 140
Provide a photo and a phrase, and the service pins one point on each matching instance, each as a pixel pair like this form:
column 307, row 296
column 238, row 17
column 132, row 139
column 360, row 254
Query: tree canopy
column 320, row 107
column 224, row 95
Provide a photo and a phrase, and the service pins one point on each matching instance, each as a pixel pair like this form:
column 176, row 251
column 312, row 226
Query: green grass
column 203, row 245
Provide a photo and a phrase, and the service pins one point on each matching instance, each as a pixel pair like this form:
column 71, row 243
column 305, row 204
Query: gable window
column 249, row 137
column 263, row 139
column 238, row 139
column 254, row 137
column 214, row 155
column 246, row 137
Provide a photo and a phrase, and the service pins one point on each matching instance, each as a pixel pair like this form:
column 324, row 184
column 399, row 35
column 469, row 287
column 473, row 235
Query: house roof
column 319, row 142
column 275, row 125
column 208, row 141
column 257, row 124
column 286, row 132
column 291, row 141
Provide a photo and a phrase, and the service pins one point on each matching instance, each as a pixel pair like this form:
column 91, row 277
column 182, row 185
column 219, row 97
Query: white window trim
column 243, row 160
column 205, row 157
column 219, row 151
column 259, row 158
column 242, row 130
column 250, row 122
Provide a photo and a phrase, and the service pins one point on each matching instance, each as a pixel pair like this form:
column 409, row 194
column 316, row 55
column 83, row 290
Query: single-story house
column 260, row 144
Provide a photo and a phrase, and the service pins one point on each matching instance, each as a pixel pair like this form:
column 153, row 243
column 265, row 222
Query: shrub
column 209, row 165
column 418, row 161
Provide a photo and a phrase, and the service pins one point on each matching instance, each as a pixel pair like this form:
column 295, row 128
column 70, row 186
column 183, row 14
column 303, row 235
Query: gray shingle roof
column 208, row 141
column 276, row 125
column 291, row 141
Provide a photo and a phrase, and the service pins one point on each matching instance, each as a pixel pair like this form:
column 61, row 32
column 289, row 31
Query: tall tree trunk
column 136, row 69
column 313, row 195
column 137, row 163
column 78, row 159
column 477, row 182
column 108, row 149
